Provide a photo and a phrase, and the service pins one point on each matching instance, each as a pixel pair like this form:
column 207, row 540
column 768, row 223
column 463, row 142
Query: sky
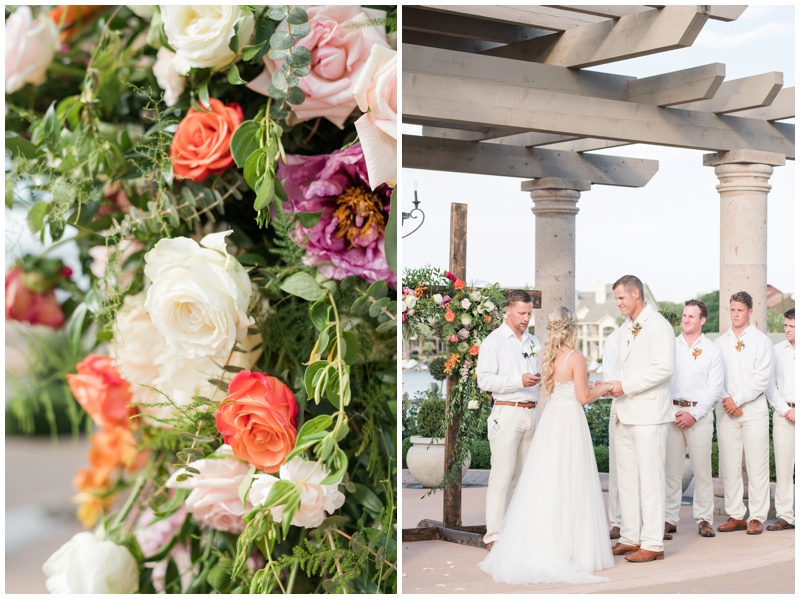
column 667, row 232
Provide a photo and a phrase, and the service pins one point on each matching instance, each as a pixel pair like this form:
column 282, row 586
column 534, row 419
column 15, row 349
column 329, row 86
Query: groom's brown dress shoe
column 670, row 527
column 754, row 527
column 643, row 555
column 732, row 524
column 489, row 545
column 781, row 524
column 614, row 534
column 620, row 549
column 705, row 530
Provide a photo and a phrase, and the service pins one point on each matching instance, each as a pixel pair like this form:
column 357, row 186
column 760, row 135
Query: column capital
column 556, row 183
column 744, row 157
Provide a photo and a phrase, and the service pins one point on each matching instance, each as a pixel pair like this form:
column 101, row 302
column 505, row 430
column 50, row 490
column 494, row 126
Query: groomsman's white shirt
column 501, row 365
column 697, row 379
column 781, row 384
column 748, row 369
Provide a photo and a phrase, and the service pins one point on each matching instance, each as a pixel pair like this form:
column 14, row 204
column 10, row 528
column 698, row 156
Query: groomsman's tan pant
column 698, row 440
column 783, row 442
column 510, row 433
column 614, row 516
column 641, row 452
column 749, row 433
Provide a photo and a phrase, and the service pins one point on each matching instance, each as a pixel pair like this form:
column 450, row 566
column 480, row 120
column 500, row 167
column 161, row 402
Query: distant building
column 779, row 300
column 598, row 317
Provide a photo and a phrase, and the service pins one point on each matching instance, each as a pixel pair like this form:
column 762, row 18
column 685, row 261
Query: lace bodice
column 562, row 393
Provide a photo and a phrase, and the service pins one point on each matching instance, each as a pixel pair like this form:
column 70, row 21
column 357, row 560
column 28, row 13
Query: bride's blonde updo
column 562, row 330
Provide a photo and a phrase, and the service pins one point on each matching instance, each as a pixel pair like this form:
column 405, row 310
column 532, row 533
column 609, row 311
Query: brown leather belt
column 790, row 404
column 517, row 404
column 683, row 404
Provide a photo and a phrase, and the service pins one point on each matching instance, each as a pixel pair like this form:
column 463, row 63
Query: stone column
column 555, row 206
column 743, row 188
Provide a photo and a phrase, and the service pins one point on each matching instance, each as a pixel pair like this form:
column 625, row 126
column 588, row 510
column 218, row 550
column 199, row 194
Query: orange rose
column 473, row 351
column 449, row 316
column 488, row 318
column 102, row 392
column 77, row 18
column 111, row 449
column 258, row 420
column 459, row 284
column 202, row 143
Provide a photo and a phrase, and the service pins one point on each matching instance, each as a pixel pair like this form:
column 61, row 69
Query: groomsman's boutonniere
column 739, row 345
column 696, row 352
column 637, row 328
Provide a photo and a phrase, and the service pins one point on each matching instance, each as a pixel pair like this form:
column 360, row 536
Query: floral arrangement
column 436, row 303
column 636, row 329
column 227, row 176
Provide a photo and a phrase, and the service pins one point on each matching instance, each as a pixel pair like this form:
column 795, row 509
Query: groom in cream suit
column 646, row 363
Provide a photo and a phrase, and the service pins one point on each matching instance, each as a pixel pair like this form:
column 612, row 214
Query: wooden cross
column 450, row 528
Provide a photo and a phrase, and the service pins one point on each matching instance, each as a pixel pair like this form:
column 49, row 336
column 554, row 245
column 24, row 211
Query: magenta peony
column 348, row 239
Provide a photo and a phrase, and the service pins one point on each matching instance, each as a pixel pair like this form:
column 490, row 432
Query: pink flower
column 376, row 93
column 28, row 306
column 30, row 47
column 446, row 300
column 100, row 255
column 152, row 537
column 463, row 333
column 338, row 56
column 214, row 500
column 451, row 276
column 453, row 338
column 349, row 238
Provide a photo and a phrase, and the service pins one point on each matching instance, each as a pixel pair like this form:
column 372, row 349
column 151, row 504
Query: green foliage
column 436, row 368
column 775, row 319
column 601, row 456
column 597, row 417
column 406, row 446
column 430, row 418
column 712, row 302
column 481, row 455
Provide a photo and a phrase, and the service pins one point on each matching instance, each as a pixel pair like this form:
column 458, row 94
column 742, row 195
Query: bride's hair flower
column 202, row 143
column 349, row 237
column 101, row 391
column 258, row 419
column 199, row 295
column 316, row 499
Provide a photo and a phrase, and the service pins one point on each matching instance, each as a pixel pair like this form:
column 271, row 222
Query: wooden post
column 458, row 266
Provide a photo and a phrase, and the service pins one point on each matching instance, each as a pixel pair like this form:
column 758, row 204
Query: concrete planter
column 425, row 460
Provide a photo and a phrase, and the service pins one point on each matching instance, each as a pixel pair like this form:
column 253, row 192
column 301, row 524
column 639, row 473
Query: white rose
column 89, row 564
column 376, row 94
column 30, row 47
column 198, row 296
column 489, row 306
column 466, row 321
column 144, row 11
column 465, row 304
column 437, row 299
column 410, row 301
column 315, row 498
column 143, row 357
column 201, row 34
column 168, row 78
column 473, row 404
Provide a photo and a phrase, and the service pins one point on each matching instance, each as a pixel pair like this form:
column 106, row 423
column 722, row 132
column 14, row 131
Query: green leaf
column 277, row 13
column 265, row 192
column 378, row 306
column 314, row 426
column 280, row 493
column 172, row 582
column 296, row 16
column 52, row 128
column 255, row 167
column 279, row 80
column 300, row 31
column 296, row 96
column 281, row 40
column 202, row 95
column 311, row 372
column 367, row 497
column 19, row 146
column 390, row 236
column 250, row 52
column 244, row 141
column 378, row 290
column 387, row 326
column 251, row 260
column 75, row 326
column 319, row 315
column 351, row 344
column 303, row 285
column 302, row 72
column 340, row 462
column 35, row 218
column 233, row 76
column 234, row 43
column 220, row 576
column 244, row 486
column 300, row 57
column 361, row 305
column 308, row 219
column 276, row 54
column 190, row 453
column 264, row 30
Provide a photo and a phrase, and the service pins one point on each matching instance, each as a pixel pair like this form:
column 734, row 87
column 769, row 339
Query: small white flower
column 475, row 296
column 472, row 405
column 535, row 349
column 437, row 299
column 465, row 303
column 466, row 321
column 409, row 301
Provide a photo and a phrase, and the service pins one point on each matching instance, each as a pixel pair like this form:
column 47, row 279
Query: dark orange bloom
column 77, row 17
column 449, row 316
column 111, row 449
column 488, row 318
column 473, row 351
column 419, row 292
column 459, row 284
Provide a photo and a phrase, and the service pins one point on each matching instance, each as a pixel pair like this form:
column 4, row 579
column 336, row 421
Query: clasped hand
column 529, row 380
column 731, row 408
column 616, row 389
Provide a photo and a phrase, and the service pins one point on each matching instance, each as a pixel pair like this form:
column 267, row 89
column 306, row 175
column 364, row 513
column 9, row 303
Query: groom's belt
column 517, row 404
column 790, row 404
column 684, row 404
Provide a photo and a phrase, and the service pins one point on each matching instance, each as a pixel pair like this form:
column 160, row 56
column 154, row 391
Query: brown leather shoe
column 781, row 524
column 670, row 527
column 620, row 549
column 643, row 555
column 732, row 524
column 489, row 545
column 754, row 527
column 614, row 534
column 705, row 530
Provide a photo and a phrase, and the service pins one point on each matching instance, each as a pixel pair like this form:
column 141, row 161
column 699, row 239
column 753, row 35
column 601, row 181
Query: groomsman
column 695, row 388
column 647, row 361
column 509, row 369
column 611, row 373
column 781, row 395
column 743, row 421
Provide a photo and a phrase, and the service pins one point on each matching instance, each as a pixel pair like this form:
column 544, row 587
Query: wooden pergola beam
column 782, row 107
column 649, row 32
column 742, row 94
column 527, row 163
column 425, row 21
column 718, row 13
column 540, row 17
column 472, row 101
column 678, row 87
column 447, row 42
column 491, row 133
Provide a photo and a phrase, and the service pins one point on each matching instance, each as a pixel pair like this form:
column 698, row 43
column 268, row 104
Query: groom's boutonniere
column 739, row 345
column 696, row 352
column 533, row 351
column 637, row 328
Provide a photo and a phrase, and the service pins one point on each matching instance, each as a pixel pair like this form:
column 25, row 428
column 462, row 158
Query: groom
column 646, row 363
column 509, row 369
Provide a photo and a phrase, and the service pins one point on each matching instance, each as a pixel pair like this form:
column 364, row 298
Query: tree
column 712, row 301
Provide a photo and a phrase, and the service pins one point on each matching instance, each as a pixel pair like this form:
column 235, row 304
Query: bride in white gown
column 555, row 529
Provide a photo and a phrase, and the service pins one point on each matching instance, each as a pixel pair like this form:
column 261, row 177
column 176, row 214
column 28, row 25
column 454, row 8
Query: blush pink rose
column 30, row 47
column 338, row 56
column 28, row 306
column 101, row 391
column 214, row 500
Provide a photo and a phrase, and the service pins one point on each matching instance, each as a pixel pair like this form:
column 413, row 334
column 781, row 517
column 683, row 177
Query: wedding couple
column 545, row 516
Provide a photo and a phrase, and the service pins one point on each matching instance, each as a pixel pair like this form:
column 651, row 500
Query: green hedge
column 406, row 447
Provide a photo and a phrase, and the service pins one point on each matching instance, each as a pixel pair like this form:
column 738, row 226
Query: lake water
column 418, row 380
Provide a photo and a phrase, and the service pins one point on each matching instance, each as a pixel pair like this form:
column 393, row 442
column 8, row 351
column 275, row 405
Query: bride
column 555, row 529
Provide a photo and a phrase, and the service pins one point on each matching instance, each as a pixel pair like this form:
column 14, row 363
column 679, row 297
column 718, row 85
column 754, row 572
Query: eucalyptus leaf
column 301, row 30
column 378, row 290
column 300, row 57
column 361, row 305
column 301, row 71
column 277, row 13
column 276, row 54
column 387, row 326
column 296, row 16
column 296, row 96
column 278, row 94
column 281, row 40
column 303, row 285
column 378, row 306
column 279, row 80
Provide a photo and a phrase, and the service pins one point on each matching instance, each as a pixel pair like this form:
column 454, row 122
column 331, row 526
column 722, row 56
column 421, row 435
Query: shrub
column 405, row 448
column 597, row 416
column 601, row 457
column 430, row 418
column 436, row 368
column 481, row 454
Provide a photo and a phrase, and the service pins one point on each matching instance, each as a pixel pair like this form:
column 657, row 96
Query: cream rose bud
column 30, row 47
column 437, row 299
column 489, row 306
column 315, row 499
column 475, row 296
column 199, row 295
column 376, row 94
column 201, row 34
column 168, row 78
column 473, row 404
column 88, row 564
column 466, row 321
column 465, row 303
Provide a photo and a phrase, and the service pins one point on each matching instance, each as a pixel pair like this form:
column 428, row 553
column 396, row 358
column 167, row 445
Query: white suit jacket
column 646, row 363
